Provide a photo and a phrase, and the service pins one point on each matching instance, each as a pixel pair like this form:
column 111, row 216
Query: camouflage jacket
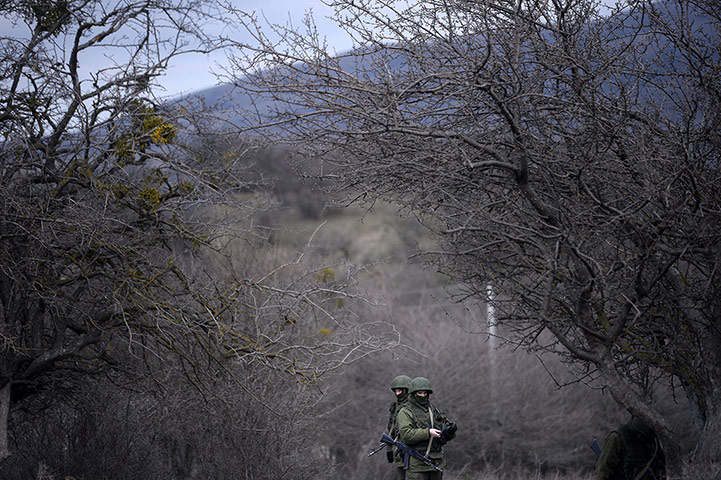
column 413, row 423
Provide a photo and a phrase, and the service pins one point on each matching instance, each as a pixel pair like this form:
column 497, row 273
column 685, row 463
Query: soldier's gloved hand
column 448, row 431
column 389, row 456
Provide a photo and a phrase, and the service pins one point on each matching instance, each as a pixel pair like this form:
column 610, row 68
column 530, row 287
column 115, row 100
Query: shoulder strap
column 430, row 437
column 648, row 464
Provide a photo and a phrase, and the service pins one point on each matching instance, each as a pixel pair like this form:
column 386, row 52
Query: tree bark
column 706, row 459
column 631, row 401
column 4, row 414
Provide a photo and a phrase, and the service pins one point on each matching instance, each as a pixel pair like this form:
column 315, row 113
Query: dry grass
column 518, row 474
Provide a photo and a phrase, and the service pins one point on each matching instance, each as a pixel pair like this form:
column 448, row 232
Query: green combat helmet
column 419, row 384
column 401, row 381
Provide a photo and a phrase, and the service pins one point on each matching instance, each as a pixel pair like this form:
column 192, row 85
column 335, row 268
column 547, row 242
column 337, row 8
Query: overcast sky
column 193, row 72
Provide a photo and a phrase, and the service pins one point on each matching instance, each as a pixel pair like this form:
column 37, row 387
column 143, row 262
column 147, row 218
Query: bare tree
column 102, row 429
column 568, row 158
column 119, row 242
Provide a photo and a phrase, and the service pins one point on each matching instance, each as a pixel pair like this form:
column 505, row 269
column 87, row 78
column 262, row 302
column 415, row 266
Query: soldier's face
column 399, row 391
column 422, row 393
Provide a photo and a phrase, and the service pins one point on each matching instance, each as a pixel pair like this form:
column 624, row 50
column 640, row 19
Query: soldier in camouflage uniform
column 399, row 386
column 632, row 452
column 421, row 426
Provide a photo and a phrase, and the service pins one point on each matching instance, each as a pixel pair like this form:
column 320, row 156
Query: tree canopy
column 567, row 156
column 118, row 237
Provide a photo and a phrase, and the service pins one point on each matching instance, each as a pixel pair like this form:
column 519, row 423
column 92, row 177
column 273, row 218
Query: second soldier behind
column 399, row 386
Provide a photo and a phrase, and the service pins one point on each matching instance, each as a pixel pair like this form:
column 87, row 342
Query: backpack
column 642, row 456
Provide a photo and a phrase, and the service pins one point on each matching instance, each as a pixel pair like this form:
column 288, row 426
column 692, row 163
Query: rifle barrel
column 376, row 450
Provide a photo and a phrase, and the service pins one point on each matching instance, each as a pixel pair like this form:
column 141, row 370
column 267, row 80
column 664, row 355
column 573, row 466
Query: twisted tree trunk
column 4, row 414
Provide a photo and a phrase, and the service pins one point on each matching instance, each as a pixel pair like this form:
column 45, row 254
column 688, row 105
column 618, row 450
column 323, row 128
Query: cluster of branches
column 117, row 237
column 569, row 159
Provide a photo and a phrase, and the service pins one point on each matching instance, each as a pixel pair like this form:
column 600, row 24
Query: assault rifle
column 407, row 452
column 596, row 447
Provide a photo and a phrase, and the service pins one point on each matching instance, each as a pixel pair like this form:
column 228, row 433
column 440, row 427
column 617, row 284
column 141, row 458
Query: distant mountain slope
column 234, row 104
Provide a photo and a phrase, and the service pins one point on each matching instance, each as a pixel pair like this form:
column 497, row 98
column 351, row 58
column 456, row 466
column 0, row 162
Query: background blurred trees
column 519, row 415
column 102, row 430
column 567, row 158
column 133, row 297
